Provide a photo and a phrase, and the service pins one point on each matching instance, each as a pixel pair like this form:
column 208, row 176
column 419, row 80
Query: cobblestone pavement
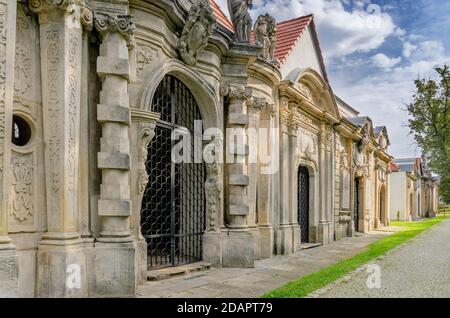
column 267, row 275
column 418, row 269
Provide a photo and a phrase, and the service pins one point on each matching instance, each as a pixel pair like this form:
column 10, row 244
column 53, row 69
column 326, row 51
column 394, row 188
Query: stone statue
column 265, row 31
column 241, row 19
column 196, row 32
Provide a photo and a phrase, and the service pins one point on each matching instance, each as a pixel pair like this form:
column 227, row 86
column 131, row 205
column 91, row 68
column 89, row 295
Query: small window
column 21, row 134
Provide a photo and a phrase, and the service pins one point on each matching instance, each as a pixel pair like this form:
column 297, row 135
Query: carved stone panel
column 308, row 145
column 23, row 195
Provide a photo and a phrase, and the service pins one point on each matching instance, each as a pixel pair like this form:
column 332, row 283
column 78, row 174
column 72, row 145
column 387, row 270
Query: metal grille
column 303, row 203
column 173, row 207
column 356, row 205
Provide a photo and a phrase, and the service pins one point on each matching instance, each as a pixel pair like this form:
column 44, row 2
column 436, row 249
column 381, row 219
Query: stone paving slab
column 267, row 275
column 418, row 269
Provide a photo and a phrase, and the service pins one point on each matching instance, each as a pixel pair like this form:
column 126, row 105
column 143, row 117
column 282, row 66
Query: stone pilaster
column 283, row 235
column 324, row 229
column 268, row 172
column 254, row 106
column 61, row 44
column 114, row 206
column 294, row 122
column 238, row 248
column 8, row 257
column 143, row 124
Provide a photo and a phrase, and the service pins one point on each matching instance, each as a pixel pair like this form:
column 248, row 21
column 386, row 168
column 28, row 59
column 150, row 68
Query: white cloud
column 385, row 62
column 383, row 95
column 408, row 49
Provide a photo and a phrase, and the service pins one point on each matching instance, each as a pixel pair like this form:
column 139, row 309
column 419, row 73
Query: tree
column 430, row 123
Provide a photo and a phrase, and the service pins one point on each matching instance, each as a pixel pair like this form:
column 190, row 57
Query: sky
column 374, row 50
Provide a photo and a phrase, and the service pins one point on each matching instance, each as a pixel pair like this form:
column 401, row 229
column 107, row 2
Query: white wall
column 397, row 193
column 304, row 55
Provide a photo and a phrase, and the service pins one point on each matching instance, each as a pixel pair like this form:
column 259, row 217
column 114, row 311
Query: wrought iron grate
column 173, row 207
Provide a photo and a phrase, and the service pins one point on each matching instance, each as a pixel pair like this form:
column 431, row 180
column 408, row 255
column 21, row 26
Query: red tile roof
column 288, row 34
column 220, row 16
column 394, row 167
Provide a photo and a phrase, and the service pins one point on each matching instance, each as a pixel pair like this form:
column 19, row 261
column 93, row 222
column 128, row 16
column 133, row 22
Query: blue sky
column 374, row 50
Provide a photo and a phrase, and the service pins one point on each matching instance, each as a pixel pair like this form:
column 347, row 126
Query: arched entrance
column 356, row 204
column 303, row 203
column 173, row 206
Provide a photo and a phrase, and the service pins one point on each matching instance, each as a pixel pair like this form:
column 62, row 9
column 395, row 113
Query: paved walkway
column 419, row 269
column 267, row 275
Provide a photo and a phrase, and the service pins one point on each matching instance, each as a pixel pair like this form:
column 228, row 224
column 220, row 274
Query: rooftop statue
column 265, row 31
column 241, row 19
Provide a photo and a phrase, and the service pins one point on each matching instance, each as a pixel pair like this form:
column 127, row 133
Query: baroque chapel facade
column 93, row 93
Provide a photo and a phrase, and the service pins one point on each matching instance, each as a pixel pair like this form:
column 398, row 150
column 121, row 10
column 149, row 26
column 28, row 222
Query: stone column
column 114, row 260
column 8, row 258
column 61, row 43
column 143, row 124
column 238, row 246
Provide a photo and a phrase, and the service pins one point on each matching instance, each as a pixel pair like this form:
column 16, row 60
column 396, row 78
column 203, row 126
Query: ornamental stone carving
column 242, row 21
column 146, row 134
column 21, row 207
column 265, row 31
column 235, row 91
column 213, row 190
column 197, row 30
column 122, row 24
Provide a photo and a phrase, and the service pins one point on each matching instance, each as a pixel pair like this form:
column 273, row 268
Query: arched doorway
column 303, row 203
column 173, row 206
column 356, row 204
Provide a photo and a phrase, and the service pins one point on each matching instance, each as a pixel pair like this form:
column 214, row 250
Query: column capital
column 236, row 91
column 123, row 24
column 79, row 8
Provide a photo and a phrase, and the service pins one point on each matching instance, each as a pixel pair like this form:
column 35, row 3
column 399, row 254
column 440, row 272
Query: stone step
column 166, row 273
column 307, row 246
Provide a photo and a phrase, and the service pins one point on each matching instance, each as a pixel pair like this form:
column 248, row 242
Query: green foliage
column 430, row 123
column 310, row 283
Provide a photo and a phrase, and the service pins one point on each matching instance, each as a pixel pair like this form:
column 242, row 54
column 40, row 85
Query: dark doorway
column 303, row 203
column 356, row 204
column 173, row 206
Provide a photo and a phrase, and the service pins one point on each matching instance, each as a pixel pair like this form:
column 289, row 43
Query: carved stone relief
column 308, row 144
column 145, row 55
column 345, row 180
column 22, row 206
column 197, row 30
column 213, row 190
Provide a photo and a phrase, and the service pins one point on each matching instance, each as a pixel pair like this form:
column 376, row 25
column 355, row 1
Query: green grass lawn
column 308, row 284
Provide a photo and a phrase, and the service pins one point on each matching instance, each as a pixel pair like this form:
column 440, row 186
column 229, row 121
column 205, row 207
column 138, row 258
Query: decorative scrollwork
column 122, row 24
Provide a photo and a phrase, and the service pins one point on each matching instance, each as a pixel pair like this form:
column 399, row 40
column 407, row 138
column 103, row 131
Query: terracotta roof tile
column 394, row 167
column 220, row 16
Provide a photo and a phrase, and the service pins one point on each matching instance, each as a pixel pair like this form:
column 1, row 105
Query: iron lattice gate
column 356, row 205
column 303, row 203
column 173, row 206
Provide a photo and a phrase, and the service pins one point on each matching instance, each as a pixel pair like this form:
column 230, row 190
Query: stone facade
column 81, row 76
